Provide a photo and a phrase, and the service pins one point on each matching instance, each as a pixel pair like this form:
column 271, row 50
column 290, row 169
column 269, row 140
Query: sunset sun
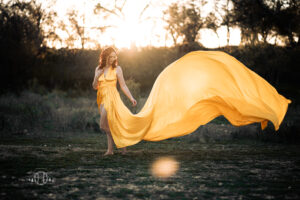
column 127, row 33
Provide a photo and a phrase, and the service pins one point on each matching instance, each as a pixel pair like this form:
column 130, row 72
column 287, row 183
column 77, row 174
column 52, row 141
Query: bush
column 53, row 111
column 26, row 112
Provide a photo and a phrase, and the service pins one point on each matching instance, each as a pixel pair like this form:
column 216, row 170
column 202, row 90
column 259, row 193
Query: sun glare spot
column 164, row 167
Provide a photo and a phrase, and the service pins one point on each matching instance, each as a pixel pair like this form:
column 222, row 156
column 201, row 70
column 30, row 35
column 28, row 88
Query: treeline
column 26, row 61
column 260, row 21
column 74, row 69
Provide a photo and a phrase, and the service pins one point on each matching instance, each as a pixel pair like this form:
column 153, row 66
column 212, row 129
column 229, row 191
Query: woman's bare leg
column 105, row 127
column 110, row 143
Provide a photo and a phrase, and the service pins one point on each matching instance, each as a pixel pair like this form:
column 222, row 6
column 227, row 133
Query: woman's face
column 111, row 58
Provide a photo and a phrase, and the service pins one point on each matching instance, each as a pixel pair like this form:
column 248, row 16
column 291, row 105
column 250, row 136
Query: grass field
column 229, row 169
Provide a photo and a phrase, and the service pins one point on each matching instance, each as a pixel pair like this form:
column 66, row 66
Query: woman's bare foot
column 108, row 153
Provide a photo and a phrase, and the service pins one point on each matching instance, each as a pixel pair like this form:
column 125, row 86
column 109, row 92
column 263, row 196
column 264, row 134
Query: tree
column 254, row 18
column 287, row 19
column 267, row 18
column 21, row 41
column 21, row 25
column 184, row 21
column 77, row 23
column 172, row 18
column 220, row 16
column 213, row 23
column 227, row 19
column 50, row 28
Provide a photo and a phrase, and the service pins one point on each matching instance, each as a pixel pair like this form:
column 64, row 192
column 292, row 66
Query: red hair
column 104, row 55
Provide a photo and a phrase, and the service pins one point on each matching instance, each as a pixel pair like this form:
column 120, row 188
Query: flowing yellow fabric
column 190, row 92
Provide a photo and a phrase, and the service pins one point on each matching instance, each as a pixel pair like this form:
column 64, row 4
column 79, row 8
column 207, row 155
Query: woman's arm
column 98, row 72
column 122, row 83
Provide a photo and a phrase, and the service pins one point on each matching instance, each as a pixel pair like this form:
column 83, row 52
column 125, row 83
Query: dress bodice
column 107, row 86
column 108, row 79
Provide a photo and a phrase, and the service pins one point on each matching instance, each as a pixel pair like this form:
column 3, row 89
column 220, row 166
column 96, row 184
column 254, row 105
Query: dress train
column 190, row 92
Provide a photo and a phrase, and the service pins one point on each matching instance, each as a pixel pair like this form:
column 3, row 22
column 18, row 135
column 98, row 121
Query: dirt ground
column 72, row 166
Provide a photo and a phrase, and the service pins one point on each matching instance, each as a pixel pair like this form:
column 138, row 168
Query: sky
column 128, row 30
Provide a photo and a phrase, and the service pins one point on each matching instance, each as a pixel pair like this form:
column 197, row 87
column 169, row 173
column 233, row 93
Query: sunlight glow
column 128, row 33
column 129, row 29
column 164, row 167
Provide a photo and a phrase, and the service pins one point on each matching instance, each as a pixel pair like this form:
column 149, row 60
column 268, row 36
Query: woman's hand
column 98, row 73
column 133, row 101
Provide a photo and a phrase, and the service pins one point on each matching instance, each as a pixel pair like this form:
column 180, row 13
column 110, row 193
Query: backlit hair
column 104, row 55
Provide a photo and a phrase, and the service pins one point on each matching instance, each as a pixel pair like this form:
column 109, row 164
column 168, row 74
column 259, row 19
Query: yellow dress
column 190, row 92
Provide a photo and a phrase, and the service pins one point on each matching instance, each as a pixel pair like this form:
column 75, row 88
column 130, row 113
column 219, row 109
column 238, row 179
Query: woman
column 188, row 93
column 106, row 75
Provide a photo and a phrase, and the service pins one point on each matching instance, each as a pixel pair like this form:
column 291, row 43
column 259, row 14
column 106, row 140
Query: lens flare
column 164, row 167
